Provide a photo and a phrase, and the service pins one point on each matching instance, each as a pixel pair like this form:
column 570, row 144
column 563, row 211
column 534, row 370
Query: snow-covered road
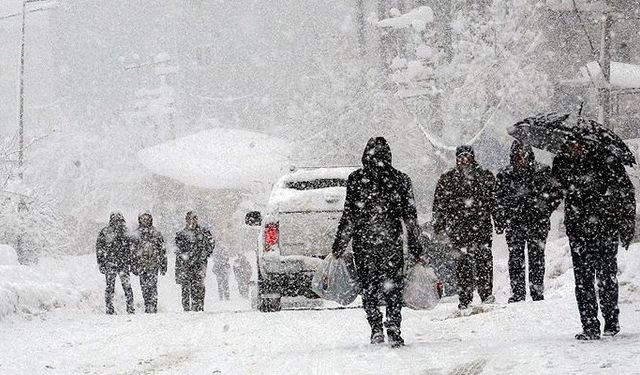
column 523, row 338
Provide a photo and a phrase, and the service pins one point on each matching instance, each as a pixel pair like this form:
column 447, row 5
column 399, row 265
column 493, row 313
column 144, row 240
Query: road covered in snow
column 521, row 338
column 52, row 322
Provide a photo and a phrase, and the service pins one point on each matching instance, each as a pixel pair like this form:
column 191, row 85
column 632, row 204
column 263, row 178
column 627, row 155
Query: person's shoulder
column 504, row 172
column 485, row 173
column 449, row 174
column 356, row 175
column 403, row 177
column 542, row 168
column 156, row 232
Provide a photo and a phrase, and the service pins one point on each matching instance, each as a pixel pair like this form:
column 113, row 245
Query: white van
column 297, row 231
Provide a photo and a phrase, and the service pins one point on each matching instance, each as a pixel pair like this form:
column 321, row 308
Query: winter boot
column 377, row 336
column 611, row 329
column 489, row 300
column 588, row 336
column 395, row 340
column 514, row 299
column 537, row 292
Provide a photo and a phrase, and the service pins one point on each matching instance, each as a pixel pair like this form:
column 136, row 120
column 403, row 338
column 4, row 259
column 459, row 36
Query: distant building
column 567, row 55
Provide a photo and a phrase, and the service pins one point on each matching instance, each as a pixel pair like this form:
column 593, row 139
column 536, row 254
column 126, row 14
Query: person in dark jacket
column 463, row 206
column 113, row 253
column 600, row 211
column 525, row 199
column 149, row 259
column 379, row 200
column 242, row 272
column 221, row 268
column 194, row 245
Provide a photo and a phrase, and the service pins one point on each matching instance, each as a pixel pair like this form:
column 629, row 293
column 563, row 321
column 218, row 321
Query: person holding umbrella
column 525, row 199
column 600, row 209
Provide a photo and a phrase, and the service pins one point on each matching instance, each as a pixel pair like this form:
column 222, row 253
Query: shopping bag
column 336, row 281
column 422, row 288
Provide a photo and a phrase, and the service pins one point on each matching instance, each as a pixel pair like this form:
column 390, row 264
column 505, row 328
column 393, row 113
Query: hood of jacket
column 376, row 155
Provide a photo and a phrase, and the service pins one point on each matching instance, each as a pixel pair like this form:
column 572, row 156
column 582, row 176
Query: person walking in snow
column 525, row 199
column 379, row 200
column 463, row 206
column 195, row 245
column 600, row 212
column 221, row 268
column 242, row 272
column 149, row 259
column 113, row 252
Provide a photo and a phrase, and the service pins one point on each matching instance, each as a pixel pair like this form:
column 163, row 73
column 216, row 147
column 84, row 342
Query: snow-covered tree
column 489, row 81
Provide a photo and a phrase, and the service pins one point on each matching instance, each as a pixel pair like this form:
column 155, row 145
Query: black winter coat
column 149, row 252
column 599, row 197
column 193, row 249
column 525, row 195
column 464, row 204
column 113, row 249
column 379, row 200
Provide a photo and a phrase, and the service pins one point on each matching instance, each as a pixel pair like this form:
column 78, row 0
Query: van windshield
column 321, row 183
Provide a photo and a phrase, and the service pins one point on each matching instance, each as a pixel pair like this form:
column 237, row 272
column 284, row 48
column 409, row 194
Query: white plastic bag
column 422, row 288
column 335, row 281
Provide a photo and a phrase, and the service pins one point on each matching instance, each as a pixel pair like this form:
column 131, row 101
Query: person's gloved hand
column 626, row 237
column 626, row 242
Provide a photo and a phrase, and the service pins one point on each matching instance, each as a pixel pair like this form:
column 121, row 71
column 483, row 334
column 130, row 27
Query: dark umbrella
column 552, row 131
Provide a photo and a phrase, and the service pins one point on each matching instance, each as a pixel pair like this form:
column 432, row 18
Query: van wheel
column 268, row 301
column 269, row 304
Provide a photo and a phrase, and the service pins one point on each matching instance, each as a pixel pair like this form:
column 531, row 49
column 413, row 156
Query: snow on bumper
column 289, row 264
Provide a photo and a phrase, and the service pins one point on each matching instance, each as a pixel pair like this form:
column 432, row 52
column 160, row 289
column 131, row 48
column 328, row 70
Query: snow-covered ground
column 229, row 338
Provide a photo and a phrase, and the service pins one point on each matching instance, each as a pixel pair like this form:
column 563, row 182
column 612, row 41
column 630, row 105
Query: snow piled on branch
column 417, row 18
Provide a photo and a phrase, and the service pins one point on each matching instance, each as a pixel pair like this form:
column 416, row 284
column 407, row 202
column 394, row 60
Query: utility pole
column 21, row 96
column 604, row 92
column 362, row 41
column 22, row 205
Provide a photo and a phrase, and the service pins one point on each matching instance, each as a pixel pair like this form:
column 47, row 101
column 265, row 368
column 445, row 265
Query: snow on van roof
column 220, row 159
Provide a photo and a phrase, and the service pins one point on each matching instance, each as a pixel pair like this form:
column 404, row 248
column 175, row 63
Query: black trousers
column 388, row 285
column 474, row 270
column 535, row 245
column 110, row 289
column 595, row 257
column 149, row 284
column 193, row 292
column 222, row 279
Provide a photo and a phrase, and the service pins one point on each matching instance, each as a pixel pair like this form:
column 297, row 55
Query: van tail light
column 271, row 236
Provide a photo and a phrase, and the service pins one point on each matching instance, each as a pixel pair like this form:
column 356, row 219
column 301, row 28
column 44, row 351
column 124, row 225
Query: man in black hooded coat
column 600, row 211
column 379, row 200
column 149, row 259
column 526, row 199
column 195, row 244
column 113, row 253
column 463, row 206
